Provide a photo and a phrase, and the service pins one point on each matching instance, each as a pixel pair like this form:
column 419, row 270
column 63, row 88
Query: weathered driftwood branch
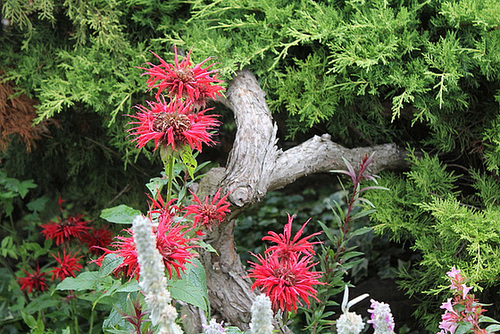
column 255, row 166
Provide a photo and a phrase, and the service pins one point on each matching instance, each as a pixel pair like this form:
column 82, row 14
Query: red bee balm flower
column 170, row 242
column 34, row 280
column 64, row 230
column 98, row 238
column 284, row 282
column 172, row 125
column 182, row 80
column 68, row 264
column 286, row 247
column 209, row 214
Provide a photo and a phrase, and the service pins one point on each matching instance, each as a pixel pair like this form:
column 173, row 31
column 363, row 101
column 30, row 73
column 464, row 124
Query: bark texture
column 256, row 166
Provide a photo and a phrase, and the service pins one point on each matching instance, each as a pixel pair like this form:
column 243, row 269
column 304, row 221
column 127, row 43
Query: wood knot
column 239, row 196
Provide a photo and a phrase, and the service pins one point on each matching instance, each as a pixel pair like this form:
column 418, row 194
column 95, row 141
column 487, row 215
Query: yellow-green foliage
column 444, row 228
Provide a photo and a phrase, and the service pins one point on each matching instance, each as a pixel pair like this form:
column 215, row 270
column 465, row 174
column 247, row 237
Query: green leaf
column 37, row 205
column 131, row 286
column 85, row 281
column 109, row 264
column 493, row 328
column 189, row 161
column 156, row 184
column 360, row 231
column 484, row 318
column 191, row 287
column 121, row 214
column 463, row 328
column 207, row 247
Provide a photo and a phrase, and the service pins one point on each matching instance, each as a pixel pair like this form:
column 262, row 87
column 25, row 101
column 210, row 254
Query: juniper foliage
column 422, row 73
column 446, row 227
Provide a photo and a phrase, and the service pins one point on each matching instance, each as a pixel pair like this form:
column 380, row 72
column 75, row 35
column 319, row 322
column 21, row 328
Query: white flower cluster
column 350, row 323
column 262, row 316
column 213, row 327
column 153, row 281
column 381, row 319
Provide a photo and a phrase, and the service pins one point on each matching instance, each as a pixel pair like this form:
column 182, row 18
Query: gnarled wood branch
column 255, row 166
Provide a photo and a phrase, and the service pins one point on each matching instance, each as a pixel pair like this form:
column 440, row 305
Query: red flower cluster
column 96, row 239
column 183, row 80
column 172, row 124
column 65, row 229
column 171, row 242
column 35, row 280
column 284, row 273
column 68, row 265
column 177, row 123
column 209, row 214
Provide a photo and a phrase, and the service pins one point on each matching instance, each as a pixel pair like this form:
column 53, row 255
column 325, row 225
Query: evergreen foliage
column 443, row 226
column 422, row 73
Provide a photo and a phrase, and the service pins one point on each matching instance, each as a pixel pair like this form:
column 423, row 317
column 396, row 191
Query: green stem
column 75, row 316
column 169, row 171
column 91, row 321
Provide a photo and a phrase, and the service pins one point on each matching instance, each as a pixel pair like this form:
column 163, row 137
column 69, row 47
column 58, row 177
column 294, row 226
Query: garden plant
column 100, row 98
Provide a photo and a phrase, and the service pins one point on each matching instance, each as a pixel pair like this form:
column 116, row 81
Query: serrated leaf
column 109, row 264
column 85, row 281
column 191, row 287
column 132, row 286
column 121, row 214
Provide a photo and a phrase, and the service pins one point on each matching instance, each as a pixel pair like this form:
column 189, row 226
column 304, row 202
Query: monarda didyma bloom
column 34, row 281
column 286, row 246
column 183, row 80
column 173, row 124
column 171, row 242
column 68, row 265
column 284, row 282
column 208, row 213
column 65, row 229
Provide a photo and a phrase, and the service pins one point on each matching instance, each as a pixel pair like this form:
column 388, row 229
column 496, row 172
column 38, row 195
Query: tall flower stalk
column 153, row 280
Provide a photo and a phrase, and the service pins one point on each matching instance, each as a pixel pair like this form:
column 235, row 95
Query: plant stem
column 169, row 171
column 91, row 321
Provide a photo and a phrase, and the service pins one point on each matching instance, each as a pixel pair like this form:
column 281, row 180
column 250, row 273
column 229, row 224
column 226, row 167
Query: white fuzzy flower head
column 153, row 280
column 262, row 316
column 381, row 319
column 350, row 323
column 213, row 327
